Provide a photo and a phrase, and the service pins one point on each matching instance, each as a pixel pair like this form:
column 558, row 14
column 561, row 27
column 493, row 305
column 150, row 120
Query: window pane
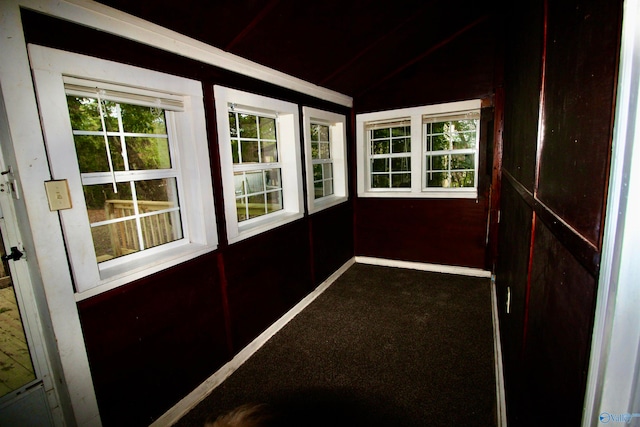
column 240, row 187
column 462, row 179
column 161, row 228
column 327, row 169
column 315, row 150
column 462, row 161
column 92, row 156
column 380, row 165
column 139, row 119
column 401, row 145
column 318, row 189
column 401, row 131
column 254, row 182
column 315, row 132
column 401, row 164
column 114, row 240
column 380, row 147
column 257, row 205
column 401, row 180
column 437, row 163
column 248, row 126
column 148, row 153
column 323, row 133
column 267, row 128
column 269, row 152
column 274, row 201
column 157, row 190
column 249, row 151
column 438, row 179
column 325, row 151
column 234, row 151
column 233, row 125
column 380, row 181
column 272, row 179
column 84, row 113
column 103, row 203
column 380, row 133
column 328, row 187
column 317, row 172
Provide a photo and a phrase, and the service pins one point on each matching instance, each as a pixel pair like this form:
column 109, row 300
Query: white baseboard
column 436, row 268
column 185, row 405
column 501, row 404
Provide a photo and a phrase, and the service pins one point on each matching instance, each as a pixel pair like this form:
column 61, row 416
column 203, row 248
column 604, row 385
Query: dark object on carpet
column 381, row 346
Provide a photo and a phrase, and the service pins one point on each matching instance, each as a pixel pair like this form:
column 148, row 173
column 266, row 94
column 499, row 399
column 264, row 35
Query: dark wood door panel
column 581, row 70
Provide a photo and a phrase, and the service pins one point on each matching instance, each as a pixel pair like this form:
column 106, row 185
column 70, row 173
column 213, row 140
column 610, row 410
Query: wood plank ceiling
column 349, row 46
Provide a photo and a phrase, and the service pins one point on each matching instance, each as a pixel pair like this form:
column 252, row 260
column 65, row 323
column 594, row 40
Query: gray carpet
column 381, row 347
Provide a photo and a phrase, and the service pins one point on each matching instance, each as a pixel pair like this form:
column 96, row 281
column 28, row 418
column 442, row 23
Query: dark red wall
column 153, row 341
column 560, row 68
column 437, row 231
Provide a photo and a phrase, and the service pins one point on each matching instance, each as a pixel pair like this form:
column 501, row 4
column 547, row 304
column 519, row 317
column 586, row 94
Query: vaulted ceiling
column 349, row 46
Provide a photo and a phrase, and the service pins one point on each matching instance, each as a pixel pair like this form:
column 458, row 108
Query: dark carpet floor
column 381, row 347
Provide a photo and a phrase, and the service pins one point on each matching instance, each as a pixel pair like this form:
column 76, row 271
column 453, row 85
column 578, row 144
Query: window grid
column 130, row 187
column 390, row 157
column 321, row 160
column 450, row 153
column 256, row 167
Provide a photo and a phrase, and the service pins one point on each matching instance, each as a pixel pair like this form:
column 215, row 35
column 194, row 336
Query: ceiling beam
column 423, row 55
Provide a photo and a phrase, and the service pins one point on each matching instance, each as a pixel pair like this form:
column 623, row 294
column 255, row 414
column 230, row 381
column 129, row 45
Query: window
column 260, row 162
column 429, row 151
column 132, row 145
column 326, row 158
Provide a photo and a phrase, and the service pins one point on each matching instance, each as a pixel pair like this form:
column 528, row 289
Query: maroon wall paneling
column 581, row 72
column 153, row 341
column 512, row 273
column 266, row 276
column 523, row 69
column 449, row 232
column 332, row 235
column 563, row 65
column 459, row 69
column 560, row 323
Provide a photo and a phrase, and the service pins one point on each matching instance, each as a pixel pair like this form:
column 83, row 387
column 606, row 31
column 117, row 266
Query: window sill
column 326, row 202
column 432, row 194
column 127, row 272
column 263, row 224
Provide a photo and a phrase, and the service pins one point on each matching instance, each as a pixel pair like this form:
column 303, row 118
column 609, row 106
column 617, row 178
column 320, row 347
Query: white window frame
column 338, row 137
column 290, row 163
column 415, row 116
column 191, row 154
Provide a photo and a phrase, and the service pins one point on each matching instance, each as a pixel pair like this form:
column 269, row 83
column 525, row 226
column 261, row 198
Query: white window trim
column 288, row 131
column 415, row 115
column 49, row 67
column 338, row 137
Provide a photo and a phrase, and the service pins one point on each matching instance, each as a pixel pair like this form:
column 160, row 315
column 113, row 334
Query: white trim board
column 435, row 268
column 104, row 18
column 501, row 404
column 181, row 408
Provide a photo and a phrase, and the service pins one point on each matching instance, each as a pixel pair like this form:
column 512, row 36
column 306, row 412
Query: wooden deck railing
column 156, row 229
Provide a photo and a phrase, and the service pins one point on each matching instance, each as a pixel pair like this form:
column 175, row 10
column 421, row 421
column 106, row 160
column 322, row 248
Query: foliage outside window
column 450, row 150
column 322, row 162
column 390, row 156
column 260, row 162
column 429, row 151
column 325, row 154
column 130, row 188
column 257, row 171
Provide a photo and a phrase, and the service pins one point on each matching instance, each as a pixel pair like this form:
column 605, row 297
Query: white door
column 25, row 388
